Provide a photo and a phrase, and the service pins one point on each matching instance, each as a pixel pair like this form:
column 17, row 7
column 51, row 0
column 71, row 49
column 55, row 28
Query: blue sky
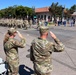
column 36, row 3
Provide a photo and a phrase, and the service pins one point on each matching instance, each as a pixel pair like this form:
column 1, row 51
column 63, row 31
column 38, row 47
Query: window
column 44, row 17
column 48, row 17
column 41, row 16
column 38, row 16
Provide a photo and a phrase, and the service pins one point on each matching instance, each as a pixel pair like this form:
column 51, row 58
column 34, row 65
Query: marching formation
column 17, row 23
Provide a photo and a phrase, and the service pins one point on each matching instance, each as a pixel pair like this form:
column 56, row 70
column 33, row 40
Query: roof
column 40, row 10
column 74, row 14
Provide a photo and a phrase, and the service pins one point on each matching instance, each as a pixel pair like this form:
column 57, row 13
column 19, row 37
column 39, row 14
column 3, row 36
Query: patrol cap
column 12, row 30
column 43, row 29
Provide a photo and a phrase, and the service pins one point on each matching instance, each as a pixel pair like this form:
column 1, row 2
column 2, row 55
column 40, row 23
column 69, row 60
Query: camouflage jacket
column 11, row 48
column 40, row 53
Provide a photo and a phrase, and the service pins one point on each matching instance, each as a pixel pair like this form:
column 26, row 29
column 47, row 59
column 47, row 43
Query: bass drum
column 3, row 67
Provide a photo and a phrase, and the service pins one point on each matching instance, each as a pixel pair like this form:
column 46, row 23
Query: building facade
column 43, row 13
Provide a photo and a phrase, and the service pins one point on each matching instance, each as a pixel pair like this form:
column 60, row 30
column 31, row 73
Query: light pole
column 33, row 9
column 62, row 12
column 75, row 8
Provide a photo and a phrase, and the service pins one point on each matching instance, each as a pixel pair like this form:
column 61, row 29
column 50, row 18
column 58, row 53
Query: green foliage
column 72, row 9
column 56, row 9
column 16, row 12
column 20, row 11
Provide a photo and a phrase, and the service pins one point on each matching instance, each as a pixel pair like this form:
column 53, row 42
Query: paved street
column 64, row 63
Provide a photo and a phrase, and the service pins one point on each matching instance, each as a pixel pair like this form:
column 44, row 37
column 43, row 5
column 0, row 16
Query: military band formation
column 40, row 50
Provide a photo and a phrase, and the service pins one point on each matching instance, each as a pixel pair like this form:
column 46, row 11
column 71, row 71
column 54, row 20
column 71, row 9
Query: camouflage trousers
column 13, row 67
column 9, row 73
column 36, row 72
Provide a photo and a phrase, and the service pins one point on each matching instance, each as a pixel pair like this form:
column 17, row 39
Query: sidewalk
column 58, row 27
column 63, row 27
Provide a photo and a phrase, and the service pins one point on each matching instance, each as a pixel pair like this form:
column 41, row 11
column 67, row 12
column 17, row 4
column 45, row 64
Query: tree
column 67, row 13
column 72, row 9
column 53, row 8
column 56, row 10
column 16, row 11
column 10, row 12
column 2, row 13
column 20, row 12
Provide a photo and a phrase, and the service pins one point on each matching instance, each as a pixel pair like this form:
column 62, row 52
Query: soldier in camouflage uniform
column 25, row 22
column 41, row 51
column 30, row 23
column 11, row 46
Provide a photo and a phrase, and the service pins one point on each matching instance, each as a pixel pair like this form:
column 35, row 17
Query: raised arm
column 21, row 43
column 58, row 46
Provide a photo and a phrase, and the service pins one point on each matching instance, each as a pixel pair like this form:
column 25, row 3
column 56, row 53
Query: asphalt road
column 66, row 36
column 68, row 59
column 64, row 63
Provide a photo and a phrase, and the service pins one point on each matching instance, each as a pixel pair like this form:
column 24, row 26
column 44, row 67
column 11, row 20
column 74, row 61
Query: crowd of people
column 57, row 22
column 65, row 22
column 27, row 23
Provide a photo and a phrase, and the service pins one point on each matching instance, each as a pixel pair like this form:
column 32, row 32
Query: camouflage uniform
column 40, row 54
column 25, row 22
column 30, row 23
column 11, row 51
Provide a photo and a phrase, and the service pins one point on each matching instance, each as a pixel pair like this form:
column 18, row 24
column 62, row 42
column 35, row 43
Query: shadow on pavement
column 24, row 70
column 28, row 56
column 73, row 68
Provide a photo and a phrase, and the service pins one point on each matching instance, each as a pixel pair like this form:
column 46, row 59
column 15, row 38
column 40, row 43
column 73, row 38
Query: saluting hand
column 20, row 35
column 52, row 35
